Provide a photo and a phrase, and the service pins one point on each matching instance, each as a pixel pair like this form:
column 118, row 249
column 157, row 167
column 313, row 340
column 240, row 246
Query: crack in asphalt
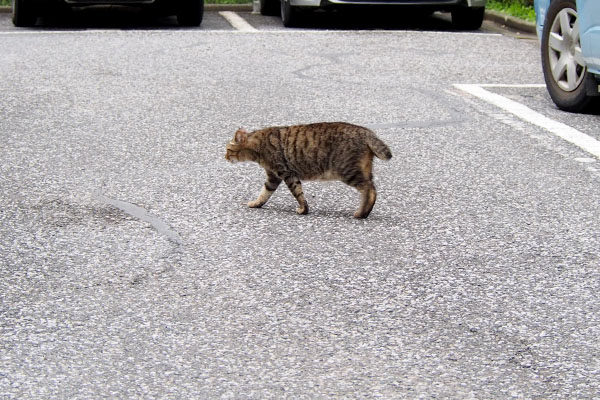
column 141, row 214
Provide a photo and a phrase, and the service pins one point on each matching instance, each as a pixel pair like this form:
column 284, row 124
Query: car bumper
column 106, row 2
column 441, row 4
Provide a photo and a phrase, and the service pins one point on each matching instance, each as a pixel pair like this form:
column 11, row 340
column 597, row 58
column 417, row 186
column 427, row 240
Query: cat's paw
column 302, row 210
column 255, row 204
column 360, row 215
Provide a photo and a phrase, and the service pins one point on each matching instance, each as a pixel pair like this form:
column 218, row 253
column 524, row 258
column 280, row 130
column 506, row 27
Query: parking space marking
column 565, row 132
column 237, row 22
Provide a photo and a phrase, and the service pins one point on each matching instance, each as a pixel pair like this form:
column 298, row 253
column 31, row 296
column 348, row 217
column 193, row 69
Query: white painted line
column 237, row 22
column 527, row 85
column 571, row 135
column 585, row 160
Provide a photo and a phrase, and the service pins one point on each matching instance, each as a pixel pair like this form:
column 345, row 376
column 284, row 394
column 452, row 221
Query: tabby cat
column 321, row 151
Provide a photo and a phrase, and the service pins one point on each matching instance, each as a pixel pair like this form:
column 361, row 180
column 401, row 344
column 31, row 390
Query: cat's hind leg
column 271, row 184
column 360, row 176
column 295, row 186
column 368, row 197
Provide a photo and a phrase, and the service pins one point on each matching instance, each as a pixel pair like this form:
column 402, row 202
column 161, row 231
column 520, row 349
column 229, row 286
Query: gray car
column 188, row 12
column 466, row 14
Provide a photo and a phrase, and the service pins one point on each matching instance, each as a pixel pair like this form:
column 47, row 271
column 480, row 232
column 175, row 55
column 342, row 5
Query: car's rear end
column 26, row 12
column 466, row 14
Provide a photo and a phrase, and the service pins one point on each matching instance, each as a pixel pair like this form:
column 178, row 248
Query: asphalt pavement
column 131, row 268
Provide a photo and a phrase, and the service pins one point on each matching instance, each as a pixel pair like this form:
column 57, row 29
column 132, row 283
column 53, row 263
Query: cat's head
column 235, row 146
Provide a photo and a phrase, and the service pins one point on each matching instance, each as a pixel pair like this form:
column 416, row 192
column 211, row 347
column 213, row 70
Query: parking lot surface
column 131, row 267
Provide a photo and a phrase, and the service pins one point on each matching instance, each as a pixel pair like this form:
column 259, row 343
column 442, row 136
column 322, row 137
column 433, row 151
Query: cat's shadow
column 340, row 215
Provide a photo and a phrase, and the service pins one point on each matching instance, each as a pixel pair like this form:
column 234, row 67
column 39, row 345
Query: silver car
column 466, row 14
column 188, row 12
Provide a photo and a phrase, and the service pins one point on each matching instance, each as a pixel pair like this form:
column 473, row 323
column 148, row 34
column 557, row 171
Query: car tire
column 289, row 14
column 564, row 72
column 190, row 12
column 269, row 7
column 468, row 18
column 23, row 13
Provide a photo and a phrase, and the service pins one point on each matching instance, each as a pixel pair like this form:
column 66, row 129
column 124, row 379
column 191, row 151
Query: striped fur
column 321, row 151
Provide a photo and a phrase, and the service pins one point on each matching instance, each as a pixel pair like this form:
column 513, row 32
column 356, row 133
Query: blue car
column 570, row 35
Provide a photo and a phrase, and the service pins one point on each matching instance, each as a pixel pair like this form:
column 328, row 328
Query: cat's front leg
column 267, row 191
column 295, row 186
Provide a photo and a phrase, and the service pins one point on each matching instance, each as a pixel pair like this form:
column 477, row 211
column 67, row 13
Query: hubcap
column 564, row 51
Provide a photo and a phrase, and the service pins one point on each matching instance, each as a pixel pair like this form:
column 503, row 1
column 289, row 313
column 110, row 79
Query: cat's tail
column 380, row 149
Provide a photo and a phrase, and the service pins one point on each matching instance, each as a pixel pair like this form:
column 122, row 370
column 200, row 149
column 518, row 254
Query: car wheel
column 468, row 18
column 269, row 7
column 564, row 69
column 190, row 12
column 289, row 14
column 23, row 13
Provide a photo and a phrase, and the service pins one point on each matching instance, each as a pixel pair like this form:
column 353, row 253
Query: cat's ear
column 241, row 135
